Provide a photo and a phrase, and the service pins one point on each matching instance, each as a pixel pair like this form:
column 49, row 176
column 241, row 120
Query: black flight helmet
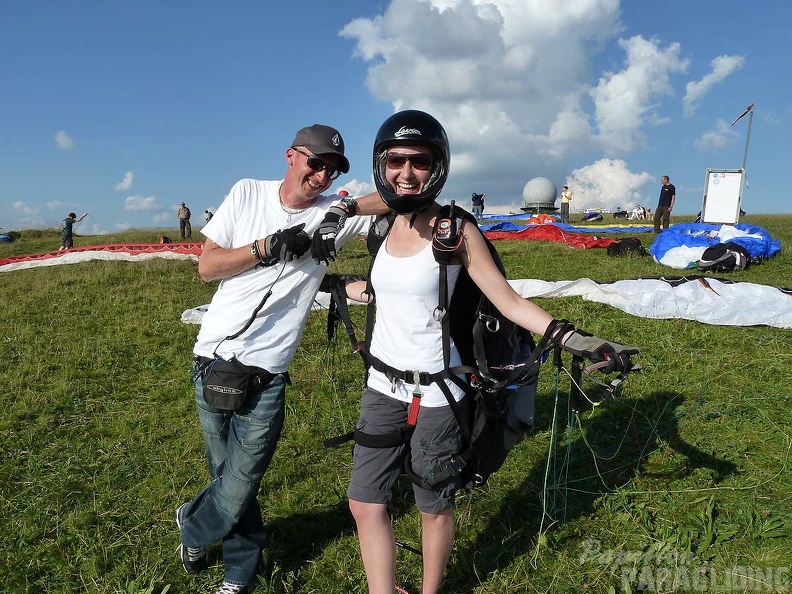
column 411, row 128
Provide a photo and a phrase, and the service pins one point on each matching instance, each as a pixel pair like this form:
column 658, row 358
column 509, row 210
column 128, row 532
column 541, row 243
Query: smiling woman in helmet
column 411, row 162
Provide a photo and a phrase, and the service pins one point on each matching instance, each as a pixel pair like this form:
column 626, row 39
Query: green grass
column 686, row 471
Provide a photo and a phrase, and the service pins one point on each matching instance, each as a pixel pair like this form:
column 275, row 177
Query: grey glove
column 323, row 248
column 287, row 245
column 597, row 350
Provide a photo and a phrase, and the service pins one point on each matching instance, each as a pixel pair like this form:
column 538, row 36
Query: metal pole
column 747, row 140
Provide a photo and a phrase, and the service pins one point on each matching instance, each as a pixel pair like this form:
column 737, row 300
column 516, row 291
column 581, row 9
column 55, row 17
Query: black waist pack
column 227, row 384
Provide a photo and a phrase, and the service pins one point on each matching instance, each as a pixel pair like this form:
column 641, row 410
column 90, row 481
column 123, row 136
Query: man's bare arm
column 218, row 262
column 371, row 204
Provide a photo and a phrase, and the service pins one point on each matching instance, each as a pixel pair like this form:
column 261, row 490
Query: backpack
column 499, row 361
column 724, row 257
column 627, row 246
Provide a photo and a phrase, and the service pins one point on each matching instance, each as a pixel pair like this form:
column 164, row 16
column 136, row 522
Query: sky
column 125, row 109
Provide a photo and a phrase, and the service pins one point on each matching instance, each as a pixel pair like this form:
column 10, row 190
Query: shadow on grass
column 298, row 539
column 623, row 434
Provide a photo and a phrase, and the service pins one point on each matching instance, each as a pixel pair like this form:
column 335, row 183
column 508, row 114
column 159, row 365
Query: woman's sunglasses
column 317, row 164
column 419, row 161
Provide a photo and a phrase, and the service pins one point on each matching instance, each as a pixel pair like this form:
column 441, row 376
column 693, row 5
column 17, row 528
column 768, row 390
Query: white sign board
column 722, row 194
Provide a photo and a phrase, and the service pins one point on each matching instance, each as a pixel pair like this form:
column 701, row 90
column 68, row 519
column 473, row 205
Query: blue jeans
column 478, row 212
column 239, row 447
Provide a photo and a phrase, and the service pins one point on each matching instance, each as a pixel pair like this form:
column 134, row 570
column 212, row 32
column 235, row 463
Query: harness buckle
column 455, row 465
column 491, row 323
column 417, row 381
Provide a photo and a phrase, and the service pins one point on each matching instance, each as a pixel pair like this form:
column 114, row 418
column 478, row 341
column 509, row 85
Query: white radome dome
column 539, row 190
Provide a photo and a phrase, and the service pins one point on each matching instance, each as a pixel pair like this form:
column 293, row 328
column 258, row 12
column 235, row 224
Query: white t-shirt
column 406, row 335
column 252, row 211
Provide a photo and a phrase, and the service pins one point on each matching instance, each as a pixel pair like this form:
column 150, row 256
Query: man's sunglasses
column 419, row 161
column 317, row 164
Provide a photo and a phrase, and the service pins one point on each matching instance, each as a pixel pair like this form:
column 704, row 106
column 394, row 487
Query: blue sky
column 124, row 109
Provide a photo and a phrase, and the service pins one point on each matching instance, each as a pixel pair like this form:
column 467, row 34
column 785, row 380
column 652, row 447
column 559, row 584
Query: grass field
column 684, row 476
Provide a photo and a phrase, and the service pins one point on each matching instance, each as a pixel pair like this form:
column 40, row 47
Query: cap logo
column 336, row 140
column 404, row 130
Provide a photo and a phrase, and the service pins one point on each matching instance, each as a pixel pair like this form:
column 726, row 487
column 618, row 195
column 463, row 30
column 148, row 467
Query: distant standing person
column 208, row 214
column 665, row 204
column 477, row 202
column 67, row 236
column 184, row 221
column 566, row 198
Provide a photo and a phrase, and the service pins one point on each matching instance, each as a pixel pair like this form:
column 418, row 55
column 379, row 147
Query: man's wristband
column 350, row 205
column 254, row 249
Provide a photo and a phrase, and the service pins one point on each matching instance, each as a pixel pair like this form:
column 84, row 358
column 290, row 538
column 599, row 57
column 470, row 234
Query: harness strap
column 424, row 378
column 388, row 440
column 339, row 310
column 440, row 474
column 332, row 442
column 478, row 345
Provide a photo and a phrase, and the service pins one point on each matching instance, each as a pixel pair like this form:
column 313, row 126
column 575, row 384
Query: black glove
column 287, row 245
column 331, row 282
column 323, row 248
column 596, row 349
column 338, row 282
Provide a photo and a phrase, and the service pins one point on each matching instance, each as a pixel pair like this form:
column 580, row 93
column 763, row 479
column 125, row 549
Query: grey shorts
column 436, row 438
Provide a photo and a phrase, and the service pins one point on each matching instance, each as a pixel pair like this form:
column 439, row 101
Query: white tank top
column 406, row 335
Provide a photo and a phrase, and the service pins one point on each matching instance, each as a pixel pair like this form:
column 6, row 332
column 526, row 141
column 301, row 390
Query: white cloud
column 511, row 82
column 93, row 229
column 64, row 141
column 771, row 118
column 623, row 101
column 355, row 187
column 608, row 183
column 141, row 203
column 163, row 217
column 125, row 183
column 723, row 136
column 722, row 66
column 25, row 208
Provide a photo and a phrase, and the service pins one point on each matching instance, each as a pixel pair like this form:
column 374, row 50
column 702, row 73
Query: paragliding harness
column 626, row 246
column 499, row 370
column 724, row 257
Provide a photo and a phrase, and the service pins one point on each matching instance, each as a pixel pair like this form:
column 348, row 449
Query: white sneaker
column 229, row 588
column 193, row 559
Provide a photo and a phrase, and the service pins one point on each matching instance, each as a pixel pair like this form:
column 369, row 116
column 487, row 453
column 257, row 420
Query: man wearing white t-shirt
column 256, row 244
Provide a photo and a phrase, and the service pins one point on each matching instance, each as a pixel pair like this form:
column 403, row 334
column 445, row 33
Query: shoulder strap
column 447, row 232
column 446, row 238
column 378, row 232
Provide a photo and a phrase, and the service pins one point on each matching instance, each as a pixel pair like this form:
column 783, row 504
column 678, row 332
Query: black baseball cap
column 323, row 140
